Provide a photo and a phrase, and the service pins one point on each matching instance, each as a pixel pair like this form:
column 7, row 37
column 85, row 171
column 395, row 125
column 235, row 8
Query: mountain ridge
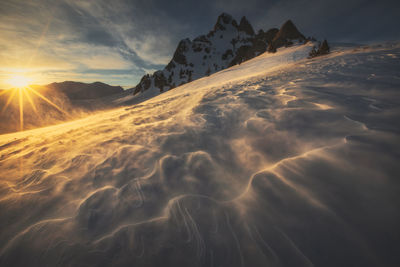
column 229, row 43
column 79, row 90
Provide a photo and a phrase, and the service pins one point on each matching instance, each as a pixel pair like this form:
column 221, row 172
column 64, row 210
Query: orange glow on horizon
column 19, row 81
column 25, row 92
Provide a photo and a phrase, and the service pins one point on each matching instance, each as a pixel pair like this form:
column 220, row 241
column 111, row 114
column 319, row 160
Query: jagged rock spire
column 228, row 44
column 245, row 26
column 289, row 31
column 223, row 20
column 285, row 36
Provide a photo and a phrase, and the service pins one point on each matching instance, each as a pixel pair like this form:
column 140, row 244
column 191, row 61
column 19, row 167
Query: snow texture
column 279, row 161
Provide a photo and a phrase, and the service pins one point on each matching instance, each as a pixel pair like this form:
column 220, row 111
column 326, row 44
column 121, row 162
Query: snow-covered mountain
column 278, row 161
column 227, row 44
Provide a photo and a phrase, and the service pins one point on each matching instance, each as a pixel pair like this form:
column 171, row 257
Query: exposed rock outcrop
column 245, row 26
column 227, row 44
column 323, row 49
column 286, row 36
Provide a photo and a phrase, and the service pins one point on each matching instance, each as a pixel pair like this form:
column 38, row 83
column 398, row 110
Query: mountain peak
column 245, row 26
column 285, row 36
column 223, row 20
column 228, row 44
column 183, row 47
column 289, row 31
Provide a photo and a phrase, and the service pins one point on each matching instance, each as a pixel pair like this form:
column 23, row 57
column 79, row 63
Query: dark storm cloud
column 350, row 21
column 145, row 33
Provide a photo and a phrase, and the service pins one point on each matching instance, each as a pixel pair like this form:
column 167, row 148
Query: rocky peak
column 223, row 20
column 285, row 36
column 228, row 44
column 245, row 26
column 268, row 36
column 323, row 49
column 289, row 31
column 183, row 47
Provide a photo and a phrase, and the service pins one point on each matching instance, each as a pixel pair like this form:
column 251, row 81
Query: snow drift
column 295, row 165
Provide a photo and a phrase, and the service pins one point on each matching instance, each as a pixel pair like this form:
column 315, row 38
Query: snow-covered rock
column 229, row 43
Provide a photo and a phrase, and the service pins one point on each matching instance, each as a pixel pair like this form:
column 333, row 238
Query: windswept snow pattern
column 295, row 165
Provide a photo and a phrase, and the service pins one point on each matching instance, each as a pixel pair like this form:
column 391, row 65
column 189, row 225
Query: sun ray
column 9, row 100
column 21, row 110
column 5, row 91
column 46, row 99
column 26, row 93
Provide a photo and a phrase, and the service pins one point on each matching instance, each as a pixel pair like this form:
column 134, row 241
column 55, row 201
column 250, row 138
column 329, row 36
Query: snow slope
column 280, row 161
column 204, row 55
column 266, row 62
column 229, row 43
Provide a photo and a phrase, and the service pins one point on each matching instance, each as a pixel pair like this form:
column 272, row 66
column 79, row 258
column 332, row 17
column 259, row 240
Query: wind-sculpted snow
column 293, row 167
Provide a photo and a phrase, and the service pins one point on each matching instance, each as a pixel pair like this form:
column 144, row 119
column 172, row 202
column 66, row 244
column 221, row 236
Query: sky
column 119, row 41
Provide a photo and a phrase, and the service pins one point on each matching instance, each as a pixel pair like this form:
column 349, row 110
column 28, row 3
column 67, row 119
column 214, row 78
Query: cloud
column 93, row 57
column 155, row 49
column 142, row 35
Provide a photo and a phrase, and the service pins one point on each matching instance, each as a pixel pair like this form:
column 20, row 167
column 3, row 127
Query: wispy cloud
column 79, row 36
column 138, row 35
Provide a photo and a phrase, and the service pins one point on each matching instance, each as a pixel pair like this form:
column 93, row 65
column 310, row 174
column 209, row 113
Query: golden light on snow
column 23, row 90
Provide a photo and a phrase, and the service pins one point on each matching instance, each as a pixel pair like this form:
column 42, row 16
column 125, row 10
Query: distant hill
column 79, row 90
column 59, row 102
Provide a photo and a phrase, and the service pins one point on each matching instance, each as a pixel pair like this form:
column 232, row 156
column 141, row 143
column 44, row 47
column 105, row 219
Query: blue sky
column 118, row 41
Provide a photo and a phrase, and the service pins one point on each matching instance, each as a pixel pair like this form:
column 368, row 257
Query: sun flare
column 23, row 90
column 19, row 81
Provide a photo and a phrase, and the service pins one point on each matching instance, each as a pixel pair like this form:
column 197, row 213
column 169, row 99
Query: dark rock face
column 258, row 46
column 268, row 36
column 286, row 35
column 137, row 90
column 143, row 85
column 228, row 53
column 288, row 31
column 222, row 20
column 78, row 90
column 179, row 55
column 245, row 26
column 227, row 44
column 323, row 49
column 244, row 53
column 159, row 80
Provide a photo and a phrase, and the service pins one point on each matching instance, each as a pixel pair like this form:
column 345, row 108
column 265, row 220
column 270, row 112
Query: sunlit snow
column 279, row 161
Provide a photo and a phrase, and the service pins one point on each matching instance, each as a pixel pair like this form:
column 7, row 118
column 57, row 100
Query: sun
column 23, row 90
column 19, row 81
